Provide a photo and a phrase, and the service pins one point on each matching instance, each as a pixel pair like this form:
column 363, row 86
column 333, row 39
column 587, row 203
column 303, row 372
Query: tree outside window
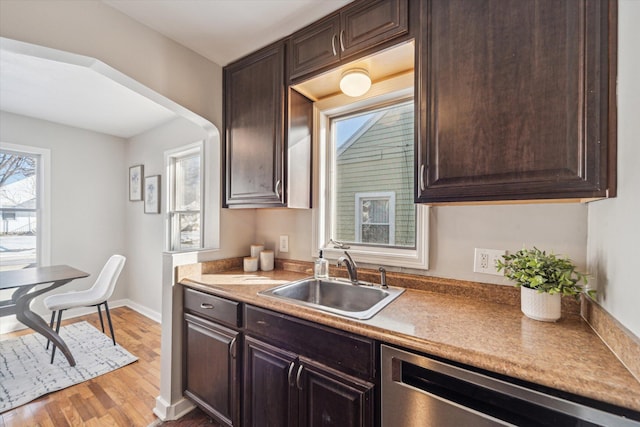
column 18, row 210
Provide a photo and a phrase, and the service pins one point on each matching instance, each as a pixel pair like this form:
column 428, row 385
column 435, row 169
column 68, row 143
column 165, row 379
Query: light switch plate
column 284, row 243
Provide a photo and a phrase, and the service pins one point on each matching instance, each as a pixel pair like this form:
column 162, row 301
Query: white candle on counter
column 255, row 250
column 250, row 264
column 266, row 260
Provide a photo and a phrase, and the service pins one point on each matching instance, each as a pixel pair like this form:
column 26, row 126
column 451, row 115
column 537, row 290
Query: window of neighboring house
column 375, row 218
column 24, row 227
column 185, row 198
column 366, row 171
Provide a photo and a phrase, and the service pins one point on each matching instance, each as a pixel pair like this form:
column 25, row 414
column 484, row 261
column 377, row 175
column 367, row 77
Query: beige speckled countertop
column 566, row 355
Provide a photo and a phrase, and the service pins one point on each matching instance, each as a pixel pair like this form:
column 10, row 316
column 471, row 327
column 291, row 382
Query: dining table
column 24, row 281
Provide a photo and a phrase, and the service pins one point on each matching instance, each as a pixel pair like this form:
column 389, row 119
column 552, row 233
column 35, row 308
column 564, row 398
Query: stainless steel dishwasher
column 418, row 391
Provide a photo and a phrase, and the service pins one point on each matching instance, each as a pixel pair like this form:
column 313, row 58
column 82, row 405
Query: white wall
column 145, row 233
column 87, row 203
column 91, row 28
column 454, row 233
column 614, row 225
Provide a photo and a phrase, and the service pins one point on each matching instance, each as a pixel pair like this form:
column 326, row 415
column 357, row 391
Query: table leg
column 35, row 322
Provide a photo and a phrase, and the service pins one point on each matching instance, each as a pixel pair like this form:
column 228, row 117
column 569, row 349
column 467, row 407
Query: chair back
column 106, row 281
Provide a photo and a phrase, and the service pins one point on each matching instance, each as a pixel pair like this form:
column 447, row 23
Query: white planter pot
column 540, row 306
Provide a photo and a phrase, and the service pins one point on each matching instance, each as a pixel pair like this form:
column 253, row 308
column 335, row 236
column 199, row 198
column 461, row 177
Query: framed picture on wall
column 152, row 194
column 135, row 182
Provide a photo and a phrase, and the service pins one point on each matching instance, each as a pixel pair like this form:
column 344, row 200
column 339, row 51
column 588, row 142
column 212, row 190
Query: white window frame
column 170, row 157
column 43, row 192
column 415, row 258
column 389, row 196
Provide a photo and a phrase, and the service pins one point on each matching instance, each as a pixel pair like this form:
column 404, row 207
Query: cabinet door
column 331, row 398
column 514, row 100
column 254, row 152
column 211, row 369
column 371, row 23
column 315, row 47
column 270, row 397
column 355, row 30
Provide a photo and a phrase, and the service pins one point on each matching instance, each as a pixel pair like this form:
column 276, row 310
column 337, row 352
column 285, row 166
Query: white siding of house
column 371, row 163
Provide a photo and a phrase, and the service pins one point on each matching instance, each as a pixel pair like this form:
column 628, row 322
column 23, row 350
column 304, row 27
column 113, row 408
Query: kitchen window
column 24, row 219
column 185, row 198
column 366, row 175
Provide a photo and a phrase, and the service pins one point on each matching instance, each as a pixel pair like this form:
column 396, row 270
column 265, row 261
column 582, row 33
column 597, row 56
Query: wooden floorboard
column 124, row 397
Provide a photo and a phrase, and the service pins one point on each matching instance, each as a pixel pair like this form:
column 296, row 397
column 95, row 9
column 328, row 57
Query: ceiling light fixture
column 355, row 82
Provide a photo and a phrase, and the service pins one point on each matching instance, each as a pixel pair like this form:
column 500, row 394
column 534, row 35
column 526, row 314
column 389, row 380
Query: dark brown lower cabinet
column 330, row 398
column 212, row 370
column 249, row 366
column 282, row 388
column 269, row 398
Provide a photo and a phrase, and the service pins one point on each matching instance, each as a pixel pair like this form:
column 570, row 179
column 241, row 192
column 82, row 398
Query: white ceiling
column 74, row 94
column 70, row 89
column 226, row 30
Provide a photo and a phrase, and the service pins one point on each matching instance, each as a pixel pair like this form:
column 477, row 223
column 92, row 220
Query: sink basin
column 337, row 296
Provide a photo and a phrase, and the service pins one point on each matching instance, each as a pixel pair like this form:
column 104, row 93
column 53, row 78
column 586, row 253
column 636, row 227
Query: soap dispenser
column 321, row 268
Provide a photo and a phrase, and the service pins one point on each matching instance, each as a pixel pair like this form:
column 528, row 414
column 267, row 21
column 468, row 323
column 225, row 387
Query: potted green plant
column 543, row 278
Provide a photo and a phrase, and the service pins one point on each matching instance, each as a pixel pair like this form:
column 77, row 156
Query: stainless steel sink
column 337, row 296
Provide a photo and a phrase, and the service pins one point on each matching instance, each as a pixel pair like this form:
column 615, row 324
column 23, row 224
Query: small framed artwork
column 152, row 194
column 135, row 182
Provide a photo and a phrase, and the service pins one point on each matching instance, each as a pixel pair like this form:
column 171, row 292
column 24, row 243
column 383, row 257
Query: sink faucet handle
column 353, row 263
column 383, row 278
column 352, row 267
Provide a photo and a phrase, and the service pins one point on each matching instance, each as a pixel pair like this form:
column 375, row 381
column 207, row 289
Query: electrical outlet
column 284, row 243
column 485, row 260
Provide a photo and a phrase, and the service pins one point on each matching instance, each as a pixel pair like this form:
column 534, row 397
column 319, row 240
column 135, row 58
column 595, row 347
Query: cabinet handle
column 290, row 375
column 298, row 377
column 278, row 188
column 422, row 177
column 232, row 348
column 342, row 41
column 207, row 306
column 333, row 45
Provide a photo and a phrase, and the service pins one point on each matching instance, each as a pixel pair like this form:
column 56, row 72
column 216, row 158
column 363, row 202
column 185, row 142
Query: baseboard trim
column 166, row 412
column 145, row 311
column 10, row 324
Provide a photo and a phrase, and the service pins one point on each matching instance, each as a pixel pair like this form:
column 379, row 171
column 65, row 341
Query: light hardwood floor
column 124, row 397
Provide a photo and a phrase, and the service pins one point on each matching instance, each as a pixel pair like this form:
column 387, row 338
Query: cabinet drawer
column 340, row 350
column 213, row 307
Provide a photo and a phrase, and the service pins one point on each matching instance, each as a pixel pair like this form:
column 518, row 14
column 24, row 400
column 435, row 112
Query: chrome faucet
column 352, row 267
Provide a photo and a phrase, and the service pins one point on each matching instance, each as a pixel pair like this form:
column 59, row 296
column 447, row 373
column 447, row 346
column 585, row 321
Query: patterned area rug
column 26, row 374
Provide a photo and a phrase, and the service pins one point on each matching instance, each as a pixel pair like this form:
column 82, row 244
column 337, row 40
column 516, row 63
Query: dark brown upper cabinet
column 516, row 100
column 254, row 99
column 352, row 32
column 267, row 132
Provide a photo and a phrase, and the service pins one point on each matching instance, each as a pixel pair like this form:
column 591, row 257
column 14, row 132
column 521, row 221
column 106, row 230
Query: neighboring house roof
column 363, row 129
column 19, row 194
column 393, row 123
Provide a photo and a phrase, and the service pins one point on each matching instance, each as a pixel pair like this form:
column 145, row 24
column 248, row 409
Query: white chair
column 96, row 296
